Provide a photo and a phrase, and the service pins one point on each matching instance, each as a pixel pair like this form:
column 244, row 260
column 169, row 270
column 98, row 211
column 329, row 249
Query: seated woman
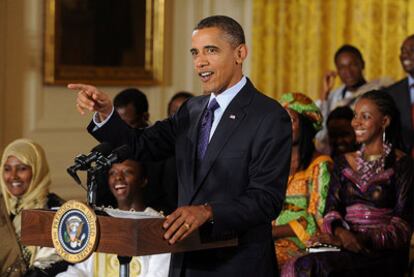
column 25, row 182
column 307, row 186
column 369, row 206
column 126, row 181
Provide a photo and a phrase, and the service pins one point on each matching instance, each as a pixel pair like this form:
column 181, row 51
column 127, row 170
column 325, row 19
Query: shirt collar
column 410, row 81
column 224, row 98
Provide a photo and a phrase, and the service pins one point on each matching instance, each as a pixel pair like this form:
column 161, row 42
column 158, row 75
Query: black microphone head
column 122, row 153
column 104, row 148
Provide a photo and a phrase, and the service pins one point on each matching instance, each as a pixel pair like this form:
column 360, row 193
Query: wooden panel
column 125, row 237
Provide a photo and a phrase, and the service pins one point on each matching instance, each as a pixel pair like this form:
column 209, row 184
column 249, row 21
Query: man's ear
column 146, row 116
column 241, row 53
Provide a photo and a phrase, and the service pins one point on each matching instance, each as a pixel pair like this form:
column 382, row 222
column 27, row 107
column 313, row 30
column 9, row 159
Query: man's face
column 407, row 56
column 217, row 63
column 349, row 69
column 128, row 114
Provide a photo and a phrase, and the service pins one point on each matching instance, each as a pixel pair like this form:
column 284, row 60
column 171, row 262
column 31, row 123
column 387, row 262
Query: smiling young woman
column 24, row 183
column 369, row 205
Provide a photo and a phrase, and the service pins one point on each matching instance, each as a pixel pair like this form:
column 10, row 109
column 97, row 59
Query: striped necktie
column 205, row 127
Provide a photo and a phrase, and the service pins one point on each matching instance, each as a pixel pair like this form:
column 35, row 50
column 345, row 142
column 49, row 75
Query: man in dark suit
column 403, row 94
column 232, row 147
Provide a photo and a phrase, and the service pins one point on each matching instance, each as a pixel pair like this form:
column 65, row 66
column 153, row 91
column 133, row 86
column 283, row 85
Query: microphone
column 83, row 162
column 119, row 155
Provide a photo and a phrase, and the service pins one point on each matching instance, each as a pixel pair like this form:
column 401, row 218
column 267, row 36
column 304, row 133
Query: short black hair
column 178, row 95
column 347, row 48
column 409, row 37
column 228, row 25
column 344, row 112
column 134, row 96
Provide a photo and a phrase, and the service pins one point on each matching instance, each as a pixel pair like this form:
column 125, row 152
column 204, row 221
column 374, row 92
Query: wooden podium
column 125, row 237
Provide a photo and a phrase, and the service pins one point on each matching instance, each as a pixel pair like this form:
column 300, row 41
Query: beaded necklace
column 369, row 168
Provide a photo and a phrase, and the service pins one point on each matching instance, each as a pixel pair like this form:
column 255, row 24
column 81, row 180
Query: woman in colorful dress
column 307, row 187
column 369, row 206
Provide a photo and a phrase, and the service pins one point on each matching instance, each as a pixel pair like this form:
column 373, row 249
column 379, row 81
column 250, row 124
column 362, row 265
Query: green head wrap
column 302, row 104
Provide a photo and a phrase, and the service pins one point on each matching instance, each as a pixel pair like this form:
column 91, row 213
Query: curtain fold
column 294, row 41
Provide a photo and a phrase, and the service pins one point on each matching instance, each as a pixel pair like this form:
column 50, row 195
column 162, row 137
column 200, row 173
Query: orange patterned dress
column 303, row 208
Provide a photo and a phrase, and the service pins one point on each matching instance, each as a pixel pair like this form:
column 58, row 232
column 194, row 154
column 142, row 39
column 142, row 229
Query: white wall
column 47, row 114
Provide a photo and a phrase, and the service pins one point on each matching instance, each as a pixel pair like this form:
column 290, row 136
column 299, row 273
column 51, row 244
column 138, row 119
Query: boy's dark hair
column 347, row 48
column 344, row 112
column 134, row 96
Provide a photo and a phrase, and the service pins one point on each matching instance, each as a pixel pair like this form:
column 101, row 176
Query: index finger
column 78, row 86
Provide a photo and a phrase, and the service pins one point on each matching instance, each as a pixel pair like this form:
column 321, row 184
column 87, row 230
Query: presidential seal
column 74, row 231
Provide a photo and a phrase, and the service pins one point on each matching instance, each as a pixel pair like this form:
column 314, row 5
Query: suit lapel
column 229, row 122
column 406, row 102
column 196, row 114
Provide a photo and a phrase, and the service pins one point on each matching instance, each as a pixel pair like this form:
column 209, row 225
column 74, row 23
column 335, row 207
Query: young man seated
column 126, row 181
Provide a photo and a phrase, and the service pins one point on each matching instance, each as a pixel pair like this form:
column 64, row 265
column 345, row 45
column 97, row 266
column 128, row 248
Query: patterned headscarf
column 31, row 154
column 302, row 104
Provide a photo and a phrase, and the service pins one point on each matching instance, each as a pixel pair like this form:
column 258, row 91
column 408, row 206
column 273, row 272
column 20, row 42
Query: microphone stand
column 92, row 186
column 124, row 266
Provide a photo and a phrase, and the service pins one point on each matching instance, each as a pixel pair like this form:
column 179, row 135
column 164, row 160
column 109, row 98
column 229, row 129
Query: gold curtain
column 294, row 41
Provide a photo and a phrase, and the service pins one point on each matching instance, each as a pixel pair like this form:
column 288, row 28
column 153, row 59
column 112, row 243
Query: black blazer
column 401, row 95
column 243, row 176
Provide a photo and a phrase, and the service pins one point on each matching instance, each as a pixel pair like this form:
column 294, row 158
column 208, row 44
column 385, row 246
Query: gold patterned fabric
column 294, row 41
column 108, row 265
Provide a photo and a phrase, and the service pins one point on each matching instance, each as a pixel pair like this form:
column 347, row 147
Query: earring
column 383, row 136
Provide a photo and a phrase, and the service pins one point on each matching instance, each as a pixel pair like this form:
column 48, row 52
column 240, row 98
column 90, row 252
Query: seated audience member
column 308, row 181
column 349, row 66
column 403, row 94
column 126, row 181
column 25, row 182
column 369, row 205
column 341, row 135
column 177, row 100
column 132, row 106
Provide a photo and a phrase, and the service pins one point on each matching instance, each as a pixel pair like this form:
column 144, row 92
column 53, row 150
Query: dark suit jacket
column 401, row 95
column 243, row 177
column 161, row 190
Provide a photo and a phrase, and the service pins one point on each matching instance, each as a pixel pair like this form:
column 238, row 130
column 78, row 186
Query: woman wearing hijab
column 307, row 187
column 25, row 182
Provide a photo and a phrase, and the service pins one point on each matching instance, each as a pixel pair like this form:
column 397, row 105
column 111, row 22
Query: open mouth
column 120, row 188
column 205, row 76
column 16, row 184
column 407, row 63
column 360, row 132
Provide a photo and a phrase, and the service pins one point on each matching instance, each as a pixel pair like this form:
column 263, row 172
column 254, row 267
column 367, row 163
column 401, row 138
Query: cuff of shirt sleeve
column 96, row 119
